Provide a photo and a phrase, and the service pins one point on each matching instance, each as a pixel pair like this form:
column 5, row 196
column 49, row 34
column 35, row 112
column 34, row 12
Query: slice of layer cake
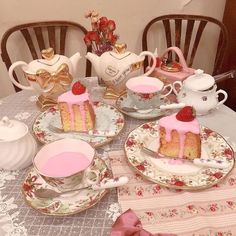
column 180, row 135
column 76, row 109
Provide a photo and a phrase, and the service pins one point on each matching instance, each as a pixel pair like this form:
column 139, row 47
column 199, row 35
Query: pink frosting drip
column 72, row 99
column 171, row 123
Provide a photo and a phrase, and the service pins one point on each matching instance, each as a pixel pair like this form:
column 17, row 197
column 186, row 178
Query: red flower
column 103, row 21
column 149, row 213
column 146, row 126
column 228, row 152
column 218, row 175
column 231, row 181
column 208, row 131
column 52, row 109
column 140, row 193
column 157, row 188
column 130, row 142
column 190, row 207
column 87, row 40
column 91, row 36
column 40, row 135
column 145, row 95
column 219, row 234
column 179, row 183
column 27, row 187
column 140, row 167
column 111, row 25
column 119, row 121
column 111, row 37
column 213, row 207
column 230, row 203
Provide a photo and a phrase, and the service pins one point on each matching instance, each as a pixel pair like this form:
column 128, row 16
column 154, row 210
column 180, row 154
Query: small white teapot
column 116, row 67
column 199, row 91
column 49, row 76
column 16, row 144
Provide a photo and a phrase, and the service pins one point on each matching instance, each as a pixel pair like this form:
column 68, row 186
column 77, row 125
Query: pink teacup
column 146, row 92
column 66, row 163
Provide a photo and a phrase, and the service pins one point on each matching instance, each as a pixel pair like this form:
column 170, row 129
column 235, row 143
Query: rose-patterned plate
column 124, row 101
column 176, row 174
column 108, row 120
column 67, row 204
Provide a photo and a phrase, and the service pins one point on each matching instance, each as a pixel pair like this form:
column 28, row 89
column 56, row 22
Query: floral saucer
column 108, row 119
column 67, row 204
column 124, row 101
column 174, row 174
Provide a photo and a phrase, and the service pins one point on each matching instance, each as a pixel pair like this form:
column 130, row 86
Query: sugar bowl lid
column 200, row 81
column 11, row 130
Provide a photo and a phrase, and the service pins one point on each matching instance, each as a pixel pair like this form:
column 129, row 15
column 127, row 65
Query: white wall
column 130, row 15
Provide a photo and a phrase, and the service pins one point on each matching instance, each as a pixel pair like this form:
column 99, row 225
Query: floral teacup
column 146, row 92
column 66, row 163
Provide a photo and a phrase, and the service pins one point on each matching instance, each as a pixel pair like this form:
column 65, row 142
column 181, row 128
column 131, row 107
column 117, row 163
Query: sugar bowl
column 200, row 91
column 16, row 144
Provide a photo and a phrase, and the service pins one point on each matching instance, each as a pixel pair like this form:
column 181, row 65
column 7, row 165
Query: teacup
column 146, row 92
column 66, row 163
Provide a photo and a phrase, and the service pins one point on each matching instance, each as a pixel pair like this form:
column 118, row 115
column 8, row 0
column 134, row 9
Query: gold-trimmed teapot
column 117, row 66
column 49, row 76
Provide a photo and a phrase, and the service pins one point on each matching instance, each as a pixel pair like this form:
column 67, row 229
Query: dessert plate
column 178, row 174
column 66, row 204
column 108, row 120
column 124, row 101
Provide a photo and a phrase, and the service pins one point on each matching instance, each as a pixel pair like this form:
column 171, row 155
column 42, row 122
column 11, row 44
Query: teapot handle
column 224, row 99
column 150, row 70
column 174, row 88
column 10, row 72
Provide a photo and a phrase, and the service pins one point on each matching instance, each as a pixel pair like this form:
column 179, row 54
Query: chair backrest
column 194, row 25
column 40, row 35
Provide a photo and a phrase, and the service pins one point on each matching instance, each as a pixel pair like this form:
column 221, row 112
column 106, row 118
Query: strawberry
column 78, row 88
column 186, row 114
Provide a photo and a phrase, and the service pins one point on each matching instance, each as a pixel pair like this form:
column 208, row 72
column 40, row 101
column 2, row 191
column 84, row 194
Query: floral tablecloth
column 17, row 218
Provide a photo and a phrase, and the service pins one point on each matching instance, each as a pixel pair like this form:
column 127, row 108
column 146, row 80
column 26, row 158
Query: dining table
column 18, row 218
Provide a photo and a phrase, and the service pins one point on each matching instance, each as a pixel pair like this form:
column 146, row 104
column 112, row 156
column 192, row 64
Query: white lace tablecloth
column 17, row 218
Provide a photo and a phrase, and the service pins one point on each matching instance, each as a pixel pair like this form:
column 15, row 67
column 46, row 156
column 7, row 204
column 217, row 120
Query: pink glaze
column 72, row 99
column 171, row 123
column 145, row 88
column 65, row 164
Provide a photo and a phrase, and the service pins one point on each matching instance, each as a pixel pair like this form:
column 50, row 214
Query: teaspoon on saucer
column 161, row 107
column 108, row 183
column 89, row 133
column 205, row 162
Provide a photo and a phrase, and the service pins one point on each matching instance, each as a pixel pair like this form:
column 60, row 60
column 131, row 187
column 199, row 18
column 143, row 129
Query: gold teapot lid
column 48, row 53
column 120, row 47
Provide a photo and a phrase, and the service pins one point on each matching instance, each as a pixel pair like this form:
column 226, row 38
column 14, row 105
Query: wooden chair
column 189, row 41
column 40, row 35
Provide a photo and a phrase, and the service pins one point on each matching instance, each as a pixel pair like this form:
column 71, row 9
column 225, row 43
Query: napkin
column 207, row 212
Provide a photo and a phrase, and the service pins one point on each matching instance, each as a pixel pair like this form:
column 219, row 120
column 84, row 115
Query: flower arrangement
column 102, row 36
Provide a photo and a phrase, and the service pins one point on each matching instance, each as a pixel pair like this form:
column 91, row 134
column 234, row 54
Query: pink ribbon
column 128, row 224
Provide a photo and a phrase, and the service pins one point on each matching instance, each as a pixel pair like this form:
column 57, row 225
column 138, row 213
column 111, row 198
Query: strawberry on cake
column 76, row 109
column 180, row 135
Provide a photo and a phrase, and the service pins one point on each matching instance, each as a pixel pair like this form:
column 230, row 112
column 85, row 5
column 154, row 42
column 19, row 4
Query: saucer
column 124, row 101
column 174, row 174
column 108, row 119
column 66, row 204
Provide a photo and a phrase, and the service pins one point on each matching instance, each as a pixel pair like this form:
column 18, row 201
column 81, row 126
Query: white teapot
column 199, row 91
column 49, row 76
column 116, row 67
column 16, row 144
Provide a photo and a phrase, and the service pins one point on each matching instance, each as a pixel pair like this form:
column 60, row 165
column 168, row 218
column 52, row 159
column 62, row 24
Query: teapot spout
column 74, row 61
column 95, row 60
